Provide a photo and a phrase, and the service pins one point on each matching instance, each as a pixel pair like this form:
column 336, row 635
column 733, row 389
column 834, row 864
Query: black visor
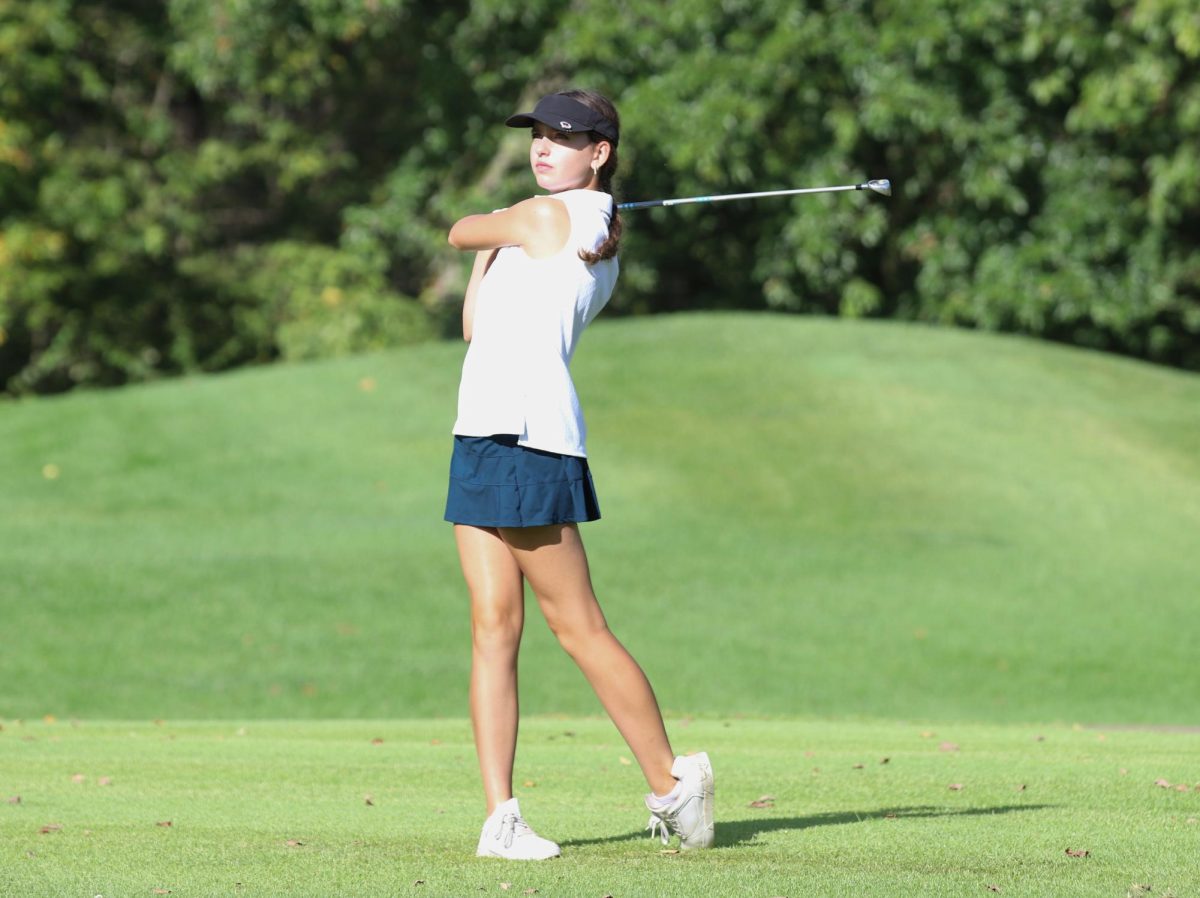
column 564, row 114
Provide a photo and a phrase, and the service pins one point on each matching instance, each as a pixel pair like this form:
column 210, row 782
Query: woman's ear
column 600, row 153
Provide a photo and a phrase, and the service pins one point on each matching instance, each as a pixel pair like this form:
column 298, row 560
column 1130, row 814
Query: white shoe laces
column 660, row 826
column 510, row 824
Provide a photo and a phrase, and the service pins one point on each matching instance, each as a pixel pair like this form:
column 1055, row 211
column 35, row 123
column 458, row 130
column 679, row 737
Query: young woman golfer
column 519, row 478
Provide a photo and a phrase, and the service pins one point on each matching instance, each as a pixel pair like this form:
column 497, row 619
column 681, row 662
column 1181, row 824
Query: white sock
column 663, row 800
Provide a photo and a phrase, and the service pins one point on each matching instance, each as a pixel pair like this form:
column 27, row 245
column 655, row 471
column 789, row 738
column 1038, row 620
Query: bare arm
column 540, row 226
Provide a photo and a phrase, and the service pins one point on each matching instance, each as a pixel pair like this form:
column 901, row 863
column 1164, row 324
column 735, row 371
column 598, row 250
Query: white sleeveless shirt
column 529, row 315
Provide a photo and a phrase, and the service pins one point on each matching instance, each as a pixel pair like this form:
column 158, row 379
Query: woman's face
column 562, row 160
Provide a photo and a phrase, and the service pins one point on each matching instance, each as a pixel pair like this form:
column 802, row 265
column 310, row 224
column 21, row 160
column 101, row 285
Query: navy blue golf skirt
column 496, row 483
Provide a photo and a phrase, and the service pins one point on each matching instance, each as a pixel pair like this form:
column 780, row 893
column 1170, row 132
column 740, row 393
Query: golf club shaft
column 647, row 204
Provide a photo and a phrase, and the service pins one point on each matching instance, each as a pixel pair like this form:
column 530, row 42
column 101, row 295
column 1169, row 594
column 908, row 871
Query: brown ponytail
column 602, row 105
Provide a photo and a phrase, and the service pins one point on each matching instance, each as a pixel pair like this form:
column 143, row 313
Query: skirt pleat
column 496, row 483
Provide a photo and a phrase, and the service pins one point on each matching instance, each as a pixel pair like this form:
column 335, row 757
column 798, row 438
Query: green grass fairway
column 836, row 518
column 275, row 809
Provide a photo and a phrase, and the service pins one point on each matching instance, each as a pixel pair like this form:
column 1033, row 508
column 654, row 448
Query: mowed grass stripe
column 801, row 517
column 371, row 808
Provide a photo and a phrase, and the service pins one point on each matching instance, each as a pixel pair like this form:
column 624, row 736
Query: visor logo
column 566, row 126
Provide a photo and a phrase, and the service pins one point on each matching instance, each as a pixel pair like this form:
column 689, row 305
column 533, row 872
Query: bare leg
column 554, row 562
column 497, row 619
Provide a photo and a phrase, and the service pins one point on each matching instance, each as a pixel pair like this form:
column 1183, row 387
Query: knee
column 496, row 629
column 577, row 636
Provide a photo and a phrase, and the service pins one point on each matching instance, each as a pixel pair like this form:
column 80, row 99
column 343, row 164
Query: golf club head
column 883, row 186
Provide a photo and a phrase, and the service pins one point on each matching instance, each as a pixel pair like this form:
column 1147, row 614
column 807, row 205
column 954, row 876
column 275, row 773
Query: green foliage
column 149, row 151
column 1044, row 158
column 305, row 300
column 1043, row 154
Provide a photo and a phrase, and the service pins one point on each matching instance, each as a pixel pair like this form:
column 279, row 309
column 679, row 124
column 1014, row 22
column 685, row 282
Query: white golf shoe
column 506, row 834
column 689, row 811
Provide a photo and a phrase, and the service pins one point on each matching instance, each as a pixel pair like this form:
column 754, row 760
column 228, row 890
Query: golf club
column 882, row 186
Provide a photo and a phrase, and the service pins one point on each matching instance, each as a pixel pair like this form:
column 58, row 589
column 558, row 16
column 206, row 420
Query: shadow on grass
column 739, row 832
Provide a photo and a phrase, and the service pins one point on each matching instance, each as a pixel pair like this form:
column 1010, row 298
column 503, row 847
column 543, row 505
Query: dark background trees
column 193, row 185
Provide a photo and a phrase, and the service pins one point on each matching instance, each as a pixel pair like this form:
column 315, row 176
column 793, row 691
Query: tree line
column 191, row 185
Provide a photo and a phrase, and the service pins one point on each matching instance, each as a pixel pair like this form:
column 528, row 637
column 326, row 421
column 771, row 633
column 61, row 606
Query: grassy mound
column 801, row 517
